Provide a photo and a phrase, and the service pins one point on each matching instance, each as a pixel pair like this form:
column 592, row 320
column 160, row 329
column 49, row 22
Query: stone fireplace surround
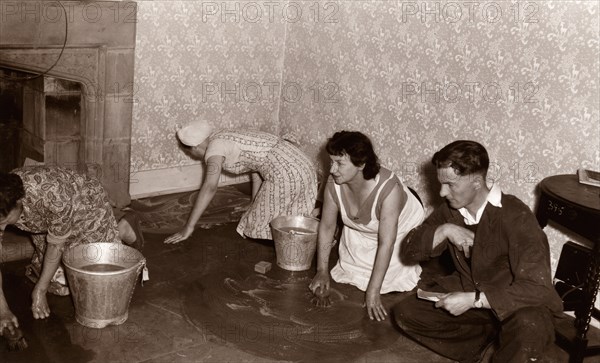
column 99, row 54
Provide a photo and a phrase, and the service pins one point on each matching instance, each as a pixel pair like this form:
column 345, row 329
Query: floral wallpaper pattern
column 192, row 64
column 521, row 77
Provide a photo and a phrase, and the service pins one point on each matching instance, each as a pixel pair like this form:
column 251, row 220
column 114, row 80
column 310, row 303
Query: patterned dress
column 61, row 206
column 359, row 241
column 289, row 177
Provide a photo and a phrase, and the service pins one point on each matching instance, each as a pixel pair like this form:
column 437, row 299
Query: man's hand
column 459, row 236
column 456, row 303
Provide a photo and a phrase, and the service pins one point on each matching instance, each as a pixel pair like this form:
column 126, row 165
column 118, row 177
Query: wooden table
column 576, row 206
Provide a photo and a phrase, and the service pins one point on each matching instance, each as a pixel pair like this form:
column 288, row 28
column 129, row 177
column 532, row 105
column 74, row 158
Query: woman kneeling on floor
column 61, row 209
column 377, row 210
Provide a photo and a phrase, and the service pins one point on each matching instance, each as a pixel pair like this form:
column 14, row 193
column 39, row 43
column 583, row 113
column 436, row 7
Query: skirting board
column 150, row 183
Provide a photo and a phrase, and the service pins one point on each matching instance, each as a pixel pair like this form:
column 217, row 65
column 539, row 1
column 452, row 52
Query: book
column 429, row 295
column 589, row 177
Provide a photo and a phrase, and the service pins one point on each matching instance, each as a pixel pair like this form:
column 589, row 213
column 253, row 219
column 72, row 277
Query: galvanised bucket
column 295, row 240
column 102, row 277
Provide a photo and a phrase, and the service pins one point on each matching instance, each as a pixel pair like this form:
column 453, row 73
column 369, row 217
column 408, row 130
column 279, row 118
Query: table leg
column 583, row 314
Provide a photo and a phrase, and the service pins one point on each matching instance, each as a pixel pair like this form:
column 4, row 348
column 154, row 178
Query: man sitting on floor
column 502, row 286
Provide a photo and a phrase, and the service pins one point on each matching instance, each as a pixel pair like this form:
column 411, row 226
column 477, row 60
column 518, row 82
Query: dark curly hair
column 11, row 190
column 464, row 156
column 358, row 147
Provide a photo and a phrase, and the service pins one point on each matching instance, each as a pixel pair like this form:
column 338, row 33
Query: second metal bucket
column 295, row 240
column 102, row 278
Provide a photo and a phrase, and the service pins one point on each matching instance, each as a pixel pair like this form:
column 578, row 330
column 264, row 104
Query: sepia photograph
column 363, row 181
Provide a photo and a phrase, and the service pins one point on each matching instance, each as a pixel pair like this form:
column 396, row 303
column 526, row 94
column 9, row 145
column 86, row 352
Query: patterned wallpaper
column 192, row 64
column 519, row 77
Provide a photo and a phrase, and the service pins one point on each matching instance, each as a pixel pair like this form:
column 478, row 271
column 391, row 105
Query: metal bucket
column 295, row 240
column 102, row 277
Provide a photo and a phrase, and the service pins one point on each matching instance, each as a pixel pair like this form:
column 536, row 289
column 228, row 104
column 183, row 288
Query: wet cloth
column 289, row 184
column 61, row 206
column 359, row 240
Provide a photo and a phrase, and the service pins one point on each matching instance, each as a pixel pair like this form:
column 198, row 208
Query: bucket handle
column 144, row 269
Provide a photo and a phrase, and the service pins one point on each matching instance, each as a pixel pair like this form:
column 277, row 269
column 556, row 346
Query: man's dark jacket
column 510, row 258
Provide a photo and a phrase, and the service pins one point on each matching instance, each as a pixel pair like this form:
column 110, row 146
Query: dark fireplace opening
column 11, row 118
column 41, row 121
column 99, row 58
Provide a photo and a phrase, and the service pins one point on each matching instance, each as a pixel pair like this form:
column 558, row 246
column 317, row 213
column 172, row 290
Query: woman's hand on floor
column 180, row 236
column 8, row 320
column 374, row 306
column 320, row 288
column 39, row 307
column 320, row 282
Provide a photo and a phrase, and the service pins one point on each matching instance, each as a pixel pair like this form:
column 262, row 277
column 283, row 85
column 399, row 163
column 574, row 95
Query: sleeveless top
column 359, row 241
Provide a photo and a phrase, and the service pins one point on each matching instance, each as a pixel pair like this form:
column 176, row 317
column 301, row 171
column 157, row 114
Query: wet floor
column 204, row 302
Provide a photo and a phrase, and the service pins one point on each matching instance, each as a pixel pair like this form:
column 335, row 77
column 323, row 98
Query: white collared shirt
column 494, row 197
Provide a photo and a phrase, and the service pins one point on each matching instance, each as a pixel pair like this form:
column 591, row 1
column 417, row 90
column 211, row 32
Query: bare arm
column 52, row 258
column 7, row 318
column 207, row 192
column 388, row 228
column 325, row 242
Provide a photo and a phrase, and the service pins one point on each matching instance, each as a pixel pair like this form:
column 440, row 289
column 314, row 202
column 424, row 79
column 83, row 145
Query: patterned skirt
column 289, row 188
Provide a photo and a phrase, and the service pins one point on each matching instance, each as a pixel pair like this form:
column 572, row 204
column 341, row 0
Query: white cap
column 194, row 133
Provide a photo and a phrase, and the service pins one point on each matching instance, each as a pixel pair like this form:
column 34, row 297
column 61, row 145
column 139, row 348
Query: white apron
column 358, row 247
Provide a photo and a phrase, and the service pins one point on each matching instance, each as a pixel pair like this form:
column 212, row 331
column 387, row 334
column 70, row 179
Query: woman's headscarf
column 194, row 133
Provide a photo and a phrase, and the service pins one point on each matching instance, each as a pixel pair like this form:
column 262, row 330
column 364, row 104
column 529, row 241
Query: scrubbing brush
column 15, row 339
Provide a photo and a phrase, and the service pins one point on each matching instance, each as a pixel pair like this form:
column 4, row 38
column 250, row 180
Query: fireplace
column 98, row 54
column 42, row 122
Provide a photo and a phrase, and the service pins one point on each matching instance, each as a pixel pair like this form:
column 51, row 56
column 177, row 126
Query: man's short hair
column 464, row 156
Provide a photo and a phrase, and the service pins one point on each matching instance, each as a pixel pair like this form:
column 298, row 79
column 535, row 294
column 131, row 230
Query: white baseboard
column 150, row 183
